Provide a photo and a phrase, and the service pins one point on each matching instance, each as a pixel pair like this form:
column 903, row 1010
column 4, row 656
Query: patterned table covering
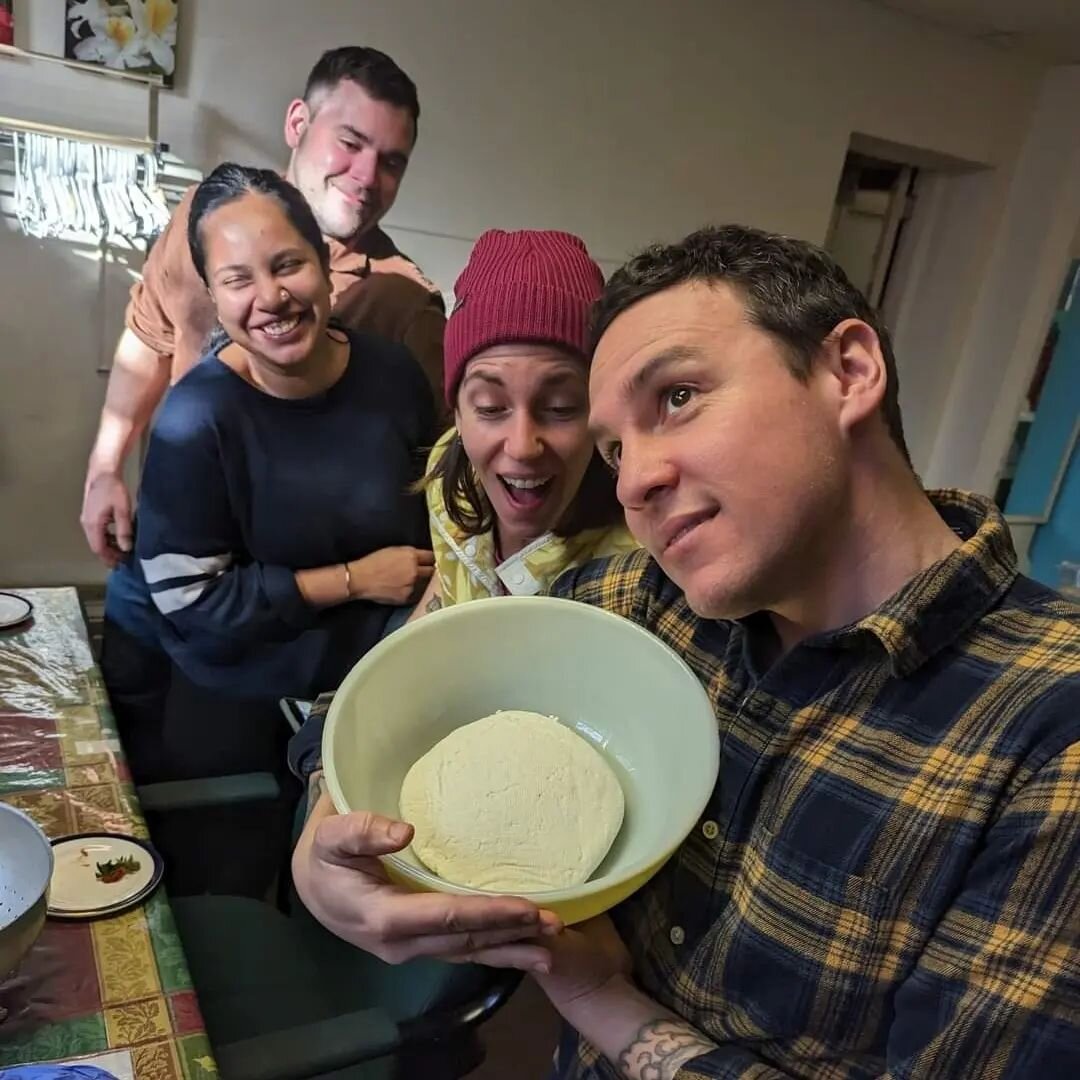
column 115, row 992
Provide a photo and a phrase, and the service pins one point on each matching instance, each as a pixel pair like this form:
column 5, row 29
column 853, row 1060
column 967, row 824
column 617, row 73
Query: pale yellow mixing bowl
column 605, row 677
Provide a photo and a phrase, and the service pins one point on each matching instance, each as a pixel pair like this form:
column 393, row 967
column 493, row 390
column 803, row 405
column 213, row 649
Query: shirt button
column 470, row 548
column 517, row 578
column 677, row 935
column 711, row 830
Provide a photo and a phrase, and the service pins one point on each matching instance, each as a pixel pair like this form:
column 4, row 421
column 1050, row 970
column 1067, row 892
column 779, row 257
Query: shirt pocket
column 800, row 949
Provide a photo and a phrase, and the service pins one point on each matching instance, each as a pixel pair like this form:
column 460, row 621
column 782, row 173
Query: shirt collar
column 519, row 575
column 939, row 604
column 356, row 257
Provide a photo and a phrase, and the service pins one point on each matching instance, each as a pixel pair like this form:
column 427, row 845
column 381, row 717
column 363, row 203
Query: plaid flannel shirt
column 886, row 882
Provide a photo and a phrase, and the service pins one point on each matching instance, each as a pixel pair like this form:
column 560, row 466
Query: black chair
column 284, row 999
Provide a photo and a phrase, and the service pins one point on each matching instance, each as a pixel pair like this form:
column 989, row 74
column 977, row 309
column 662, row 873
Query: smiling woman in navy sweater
column 276, row 528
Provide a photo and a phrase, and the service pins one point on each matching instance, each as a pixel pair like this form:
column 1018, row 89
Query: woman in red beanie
column 516, row 491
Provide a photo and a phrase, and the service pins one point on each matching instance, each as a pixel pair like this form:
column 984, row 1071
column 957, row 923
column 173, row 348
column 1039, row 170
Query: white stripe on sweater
column 177, row 599
column 178, row 565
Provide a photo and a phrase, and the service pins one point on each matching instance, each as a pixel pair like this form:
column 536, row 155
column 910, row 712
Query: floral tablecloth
column 115, row 992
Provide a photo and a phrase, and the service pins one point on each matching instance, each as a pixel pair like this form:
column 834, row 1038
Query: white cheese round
column 515, row 802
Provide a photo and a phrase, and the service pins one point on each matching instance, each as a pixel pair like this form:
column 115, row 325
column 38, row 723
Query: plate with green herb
column 97, row 874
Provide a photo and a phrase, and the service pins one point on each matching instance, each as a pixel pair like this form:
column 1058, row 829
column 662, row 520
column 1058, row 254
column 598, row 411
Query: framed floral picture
column 133, row 35
column 7, row 25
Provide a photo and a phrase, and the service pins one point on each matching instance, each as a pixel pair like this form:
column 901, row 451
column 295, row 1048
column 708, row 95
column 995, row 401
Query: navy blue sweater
column 241, row 489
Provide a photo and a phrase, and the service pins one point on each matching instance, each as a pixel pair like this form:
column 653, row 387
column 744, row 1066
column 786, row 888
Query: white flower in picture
column 155, row 21
column 93, row 13
column 139, row 35
column 116, row 44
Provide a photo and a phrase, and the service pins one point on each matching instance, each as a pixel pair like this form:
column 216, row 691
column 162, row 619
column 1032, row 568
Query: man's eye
column 677, row 397
column 612, row 456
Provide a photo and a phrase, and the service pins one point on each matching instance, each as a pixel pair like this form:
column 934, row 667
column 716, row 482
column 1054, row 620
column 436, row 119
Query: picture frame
column 138, row 36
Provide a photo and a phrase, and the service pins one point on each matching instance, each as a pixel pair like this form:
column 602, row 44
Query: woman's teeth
column 523, row 484
column 281, row 327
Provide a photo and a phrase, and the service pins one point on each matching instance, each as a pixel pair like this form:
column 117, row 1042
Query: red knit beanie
column 520, row 286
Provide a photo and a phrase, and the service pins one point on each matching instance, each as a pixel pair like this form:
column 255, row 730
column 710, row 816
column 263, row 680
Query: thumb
column 345, row 837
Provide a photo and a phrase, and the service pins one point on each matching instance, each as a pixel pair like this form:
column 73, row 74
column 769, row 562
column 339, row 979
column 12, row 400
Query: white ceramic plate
column 82, row 886
column 13, row 610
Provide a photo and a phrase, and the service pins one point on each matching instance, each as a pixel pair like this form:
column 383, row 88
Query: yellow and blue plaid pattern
column 886, row 882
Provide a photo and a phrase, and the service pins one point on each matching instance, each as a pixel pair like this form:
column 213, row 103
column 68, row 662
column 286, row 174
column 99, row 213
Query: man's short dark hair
column 372, row 71
column 792, row 290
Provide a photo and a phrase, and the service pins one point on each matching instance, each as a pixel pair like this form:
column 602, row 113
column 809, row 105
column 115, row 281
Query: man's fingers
column 550, row 923
column 425, row 558
column 97, row 538
column 122, row 524
column 522, row 957
column 101, row 545
column 463, row 946
column 438, row 915
column 94, row 525
column 342, row 838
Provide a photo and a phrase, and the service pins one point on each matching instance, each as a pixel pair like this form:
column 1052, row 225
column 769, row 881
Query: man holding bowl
column 884, row 883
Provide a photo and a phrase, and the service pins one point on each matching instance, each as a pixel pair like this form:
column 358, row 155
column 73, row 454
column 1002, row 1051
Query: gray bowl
column 26, row 862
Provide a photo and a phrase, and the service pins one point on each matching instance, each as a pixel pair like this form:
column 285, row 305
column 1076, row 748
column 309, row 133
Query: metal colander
column 26, row 862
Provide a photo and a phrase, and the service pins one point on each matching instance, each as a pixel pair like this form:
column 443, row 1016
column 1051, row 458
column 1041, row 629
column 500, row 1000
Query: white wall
column 623, row 120
column 1032, row 249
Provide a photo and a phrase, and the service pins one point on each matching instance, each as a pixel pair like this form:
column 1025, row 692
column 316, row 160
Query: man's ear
column 297, row 118
column 853, row 360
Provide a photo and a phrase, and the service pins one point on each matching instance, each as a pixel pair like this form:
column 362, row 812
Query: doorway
column 874, row 201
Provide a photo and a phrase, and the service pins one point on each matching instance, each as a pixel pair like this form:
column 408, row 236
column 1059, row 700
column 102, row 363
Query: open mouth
column 284, row 330
column 527, row 492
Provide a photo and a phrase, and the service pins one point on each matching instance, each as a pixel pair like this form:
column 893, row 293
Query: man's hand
column 106, row 518
column 589, row 983
column 339, row 877
column 584, row 959
column 137, row 383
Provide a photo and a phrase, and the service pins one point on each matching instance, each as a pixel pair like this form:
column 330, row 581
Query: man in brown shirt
column 351, row 135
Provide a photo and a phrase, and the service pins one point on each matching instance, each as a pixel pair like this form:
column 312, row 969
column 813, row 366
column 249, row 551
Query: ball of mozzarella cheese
column 515, row 802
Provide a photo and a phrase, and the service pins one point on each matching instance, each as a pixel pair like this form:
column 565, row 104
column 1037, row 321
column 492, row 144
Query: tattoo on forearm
column 661, row 1048
column 433, row 604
